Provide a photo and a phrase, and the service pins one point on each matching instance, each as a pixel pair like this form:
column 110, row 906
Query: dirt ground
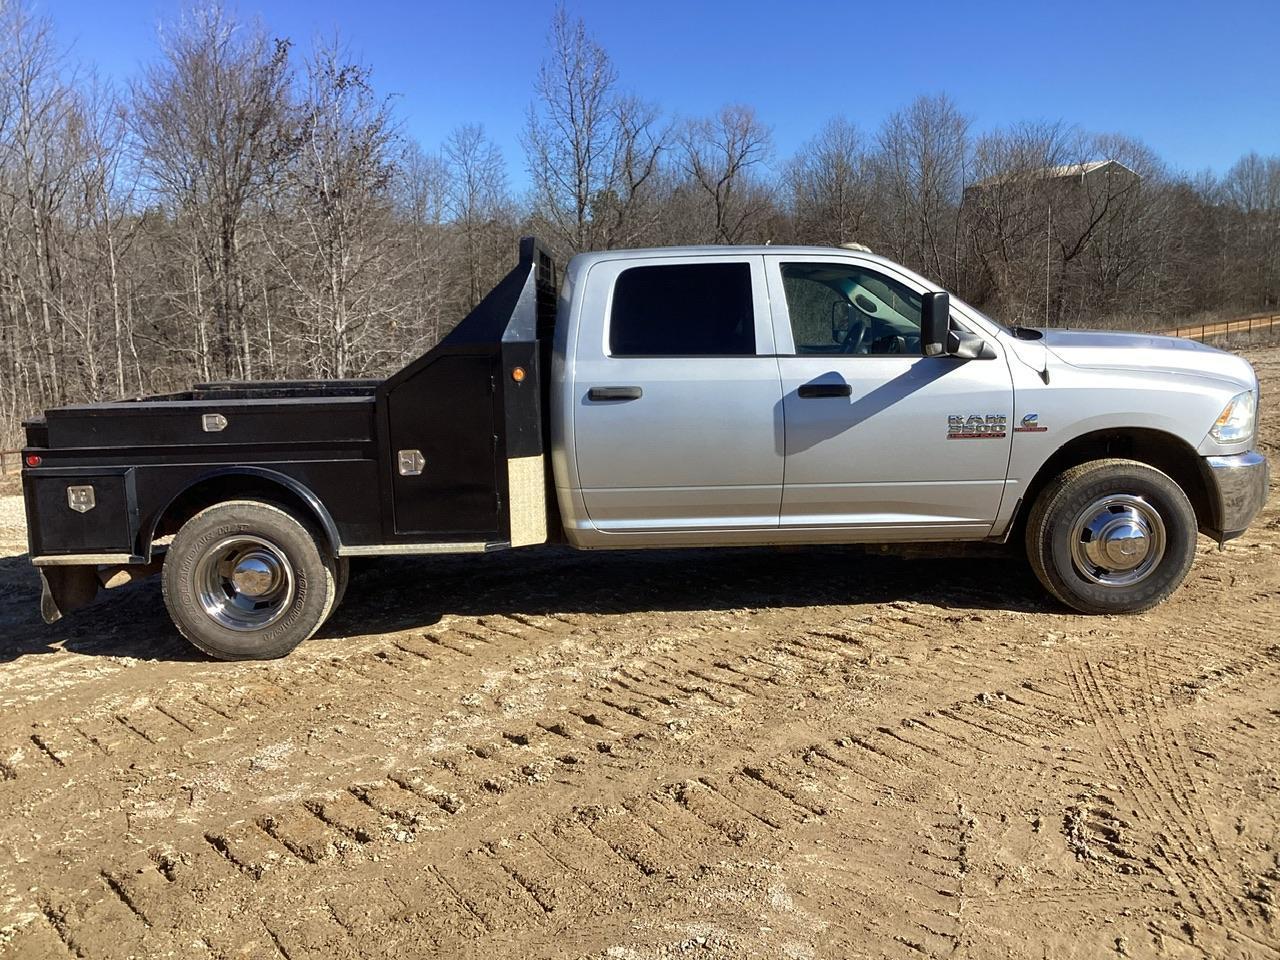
column 805, row 753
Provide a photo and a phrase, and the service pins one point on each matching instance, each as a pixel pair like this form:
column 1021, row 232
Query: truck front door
column 676, row 405
column 879, row 438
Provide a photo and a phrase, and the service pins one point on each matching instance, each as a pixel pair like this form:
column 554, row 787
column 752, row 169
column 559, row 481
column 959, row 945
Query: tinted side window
column 700, row 309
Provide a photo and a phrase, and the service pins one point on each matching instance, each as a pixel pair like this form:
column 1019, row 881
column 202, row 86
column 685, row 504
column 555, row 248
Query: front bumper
column 1237, row 492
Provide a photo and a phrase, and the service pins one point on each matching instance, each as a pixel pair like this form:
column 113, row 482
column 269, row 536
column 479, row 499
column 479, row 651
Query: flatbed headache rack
column 473, row 411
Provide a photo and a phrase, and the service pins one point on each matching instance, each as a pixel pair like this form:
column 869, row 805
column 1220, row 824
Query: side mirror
column 935, row 319
column 841, row 318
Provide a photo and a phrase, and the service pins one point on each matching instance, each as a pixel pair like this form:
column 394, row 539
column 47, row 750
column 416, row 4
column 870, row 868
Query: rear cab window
column 683, row 310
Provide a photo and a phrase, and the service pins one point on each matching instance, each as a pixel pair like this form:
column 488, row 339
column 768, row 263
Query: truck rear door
column 677, row 404
column 879, row 438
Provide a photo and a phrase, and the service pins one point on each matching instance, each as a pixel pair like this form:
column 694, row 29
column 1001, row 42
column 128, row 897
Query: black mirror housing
column 935, row 321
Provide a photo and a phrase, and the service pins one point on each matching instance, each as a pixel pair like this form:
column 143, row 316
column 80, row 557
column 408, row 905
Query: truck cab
column 770, row 395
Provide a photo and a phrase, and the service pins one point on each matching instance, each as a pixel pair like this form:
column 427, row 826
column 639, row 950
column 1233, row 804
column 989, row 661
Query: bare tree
column 625, row 209
column 40, row 167
column 1103, row 236
column 721, row 156
column 337, row 252
column 592, row 152
column 569, row 134
column 477, row 203
column 106, row 188
column 1251, row 190
column 922, row 166
column 830, row 186
column 1007, row 213
column 208, row 119
column 422, row 188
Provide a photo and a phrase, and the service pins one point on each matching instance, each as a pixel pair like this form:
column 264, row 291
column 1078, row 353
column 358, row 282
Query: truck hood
column 1106, row 349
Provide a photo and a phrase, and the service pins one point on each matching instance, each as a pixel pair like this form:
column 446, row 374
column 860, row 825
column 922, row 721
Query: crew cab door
column 871, row 424
column 676, row 402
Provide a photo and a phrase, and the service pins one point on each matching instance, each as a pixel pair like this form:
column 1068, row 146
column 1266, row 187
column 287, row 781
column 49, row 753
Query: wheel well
column 241, row 486
column 1164, row 451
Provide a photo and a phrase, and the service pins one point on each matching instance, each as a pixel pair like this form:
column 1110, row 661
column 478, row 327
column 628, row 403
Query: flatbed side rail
column 299, row 386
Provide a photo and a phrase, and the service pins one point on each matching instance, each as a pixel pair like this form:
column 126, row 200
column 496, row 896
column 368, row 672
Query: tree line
column 242, row 209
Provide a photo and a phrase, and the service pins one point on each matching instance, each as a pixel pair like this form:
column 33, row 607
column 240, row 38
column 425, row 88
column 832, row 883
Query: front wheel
column 246, row 580
column 1111, row 536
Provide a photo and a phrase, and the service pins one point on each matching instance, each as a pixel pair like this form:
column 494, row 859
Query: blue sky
column 1199, row 82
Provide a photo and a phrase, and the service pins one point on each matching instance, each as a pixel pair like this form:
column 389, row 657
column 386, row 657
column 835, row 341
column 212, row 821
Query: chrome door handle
column 615, row 393
column 810, row 390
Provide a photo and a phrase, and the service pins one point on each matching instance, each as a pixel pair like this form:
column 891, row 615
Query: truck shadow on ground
column 398, row 594
column 129, row 622
column 389, row 595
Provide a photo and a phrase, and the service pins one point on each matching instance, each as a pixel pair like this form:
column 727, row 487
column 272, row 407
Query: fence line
column 7, row 457
column 1267, row 323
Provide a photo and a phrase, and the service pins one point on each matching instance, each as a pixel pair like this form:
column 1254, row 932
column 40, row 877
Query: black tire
column 203, row 600
column 1054, row 548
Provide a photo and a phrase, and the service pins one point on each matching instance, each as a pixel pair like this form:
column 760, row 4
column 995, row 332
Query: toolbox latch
column 81, row 499
column 411, row 462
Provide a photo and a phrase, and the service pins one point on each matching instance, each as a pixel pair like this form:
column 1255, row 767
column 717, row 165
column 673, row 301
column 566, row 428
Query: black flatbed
column 339, row 452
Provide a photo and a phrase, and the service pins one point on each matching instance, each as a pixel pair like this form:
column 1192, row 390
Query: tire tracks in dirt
column 810, row 802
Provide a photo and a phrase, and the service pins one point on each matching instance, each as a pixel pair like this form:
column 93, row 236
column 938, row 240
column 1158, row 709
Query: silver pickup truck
column 697, row 396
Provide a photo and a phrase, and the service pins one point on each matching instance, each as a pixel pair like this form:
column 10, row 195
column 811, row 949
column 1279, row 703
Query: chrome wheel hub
column 256, row 574
column 1117, row 540
column 244, row 583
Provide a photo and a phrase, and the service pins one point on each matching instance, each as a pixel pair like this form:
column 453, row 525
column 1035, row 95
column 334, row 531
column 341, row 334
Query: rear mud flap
column 66, row 589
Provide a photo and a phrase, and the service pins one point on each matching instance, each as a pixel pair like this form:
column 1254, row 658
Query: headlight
column 1235, row 423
